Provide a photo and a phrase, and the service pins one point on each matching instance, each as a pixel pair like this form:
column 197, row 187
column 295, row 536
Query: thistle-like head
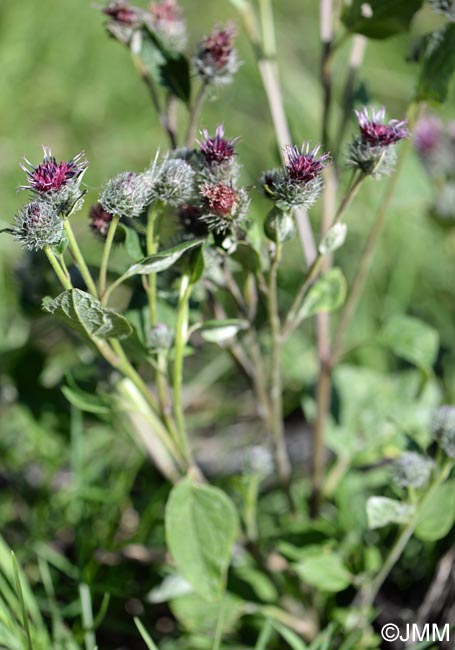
column 376, row 132
column 412, row 470
column 443, row 427
column 38, row 225
column 174, row 184
column 216, row 59
column 127, row 194
column 120, row 11
column 99, row 220
column 217, row 149
column 223, row 206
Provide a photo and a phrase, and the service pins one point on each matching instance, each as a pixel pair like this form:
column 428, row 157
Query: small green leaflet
column 162, row 260
column 326, row 294
column 382, row 511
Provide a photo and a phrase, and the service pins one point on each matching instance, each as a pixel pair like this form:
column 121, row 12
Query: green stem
column 79, row 258
column 59, row 272
column 106, row 253
column 276, row 390
column 194, row 115
column 181, row 332
column 152, row 240
column 292, row 319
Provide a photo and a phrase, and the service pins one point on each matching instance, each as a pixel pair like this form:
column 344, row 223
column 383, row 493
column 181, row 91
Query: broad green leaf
column 217, row 331
column 325, row 571
column 85, row 314
column 162, row 260
column 247, row 257
column 382, row 511
column 411, row 339
column 169, row 69
column 379, row 18
column 438, row 65
column 326, row 294
column 333, row 239
column 201, row 527
column 200, row 616
column 437, row 513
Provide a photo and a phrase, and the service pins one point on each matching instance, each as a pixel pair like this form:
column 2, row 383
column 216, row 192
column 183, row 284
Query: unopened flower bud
column 412, row 470
column 279, row 226
column 166, row 21
column 175, row 182
column 99, row 220
column 445, row 7
column 216, row 59
column 443, row 427
column 160, row 337
column 127, row 194
column 38, row 225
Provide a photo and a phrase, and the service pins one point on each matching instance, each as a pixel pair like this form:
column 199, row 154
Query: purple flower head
column 220, row 199
column 51, row 176
column 216, row 59
column 218, row 149
column 304, row 165
column 190, row 217
column 99, row 219
column 122, row 12
column 427, row 135
column 376, row 133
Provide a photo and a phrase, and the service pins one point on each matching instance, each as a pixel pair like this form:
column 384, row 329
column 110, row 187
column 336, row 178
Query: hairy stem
column 276, row 389
column 106, row 254
column 152, row 241
column 79, row 258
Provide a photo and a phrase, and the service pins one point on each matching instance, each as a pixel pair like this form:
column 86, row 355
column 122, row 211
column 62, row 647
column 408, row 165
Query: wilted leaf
column 201, row 527
column 382, row 511
column 162, row 260
column 438, row 64
column 437, row 513
column 333, row 239
column 379, row 18
column 85, row 314
column 326, row 294
column 217, row 331
column 325, row 571
column 411, row 339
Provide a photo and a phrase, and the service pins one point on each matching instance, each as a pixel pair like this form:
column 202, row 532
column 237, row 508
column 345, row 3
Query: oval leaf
column 326, row 294
column 217, row 331
column 201, row 527
column 438, row 65
column 382, row 511
column 411, row 339
column 162, row 260
column 325, row 571
column 86, row 315
column 437, row 513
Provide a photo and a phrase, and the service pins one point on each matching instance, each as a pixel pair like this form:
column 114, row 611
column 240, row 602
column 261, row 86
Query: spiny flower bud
column 174, row 184
column 167, row 23
column 412, row 470
column 443, row 427
column 223, row 206
column 160, row 337
column 300, row 182
column 372, row 152
column 127, row 194
column 38, row 225
column 446, row 7
column 99, row 219
column 435, row 144
column 216, row 59
column 57, row 183
column 279, row 226
column 217, row 150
